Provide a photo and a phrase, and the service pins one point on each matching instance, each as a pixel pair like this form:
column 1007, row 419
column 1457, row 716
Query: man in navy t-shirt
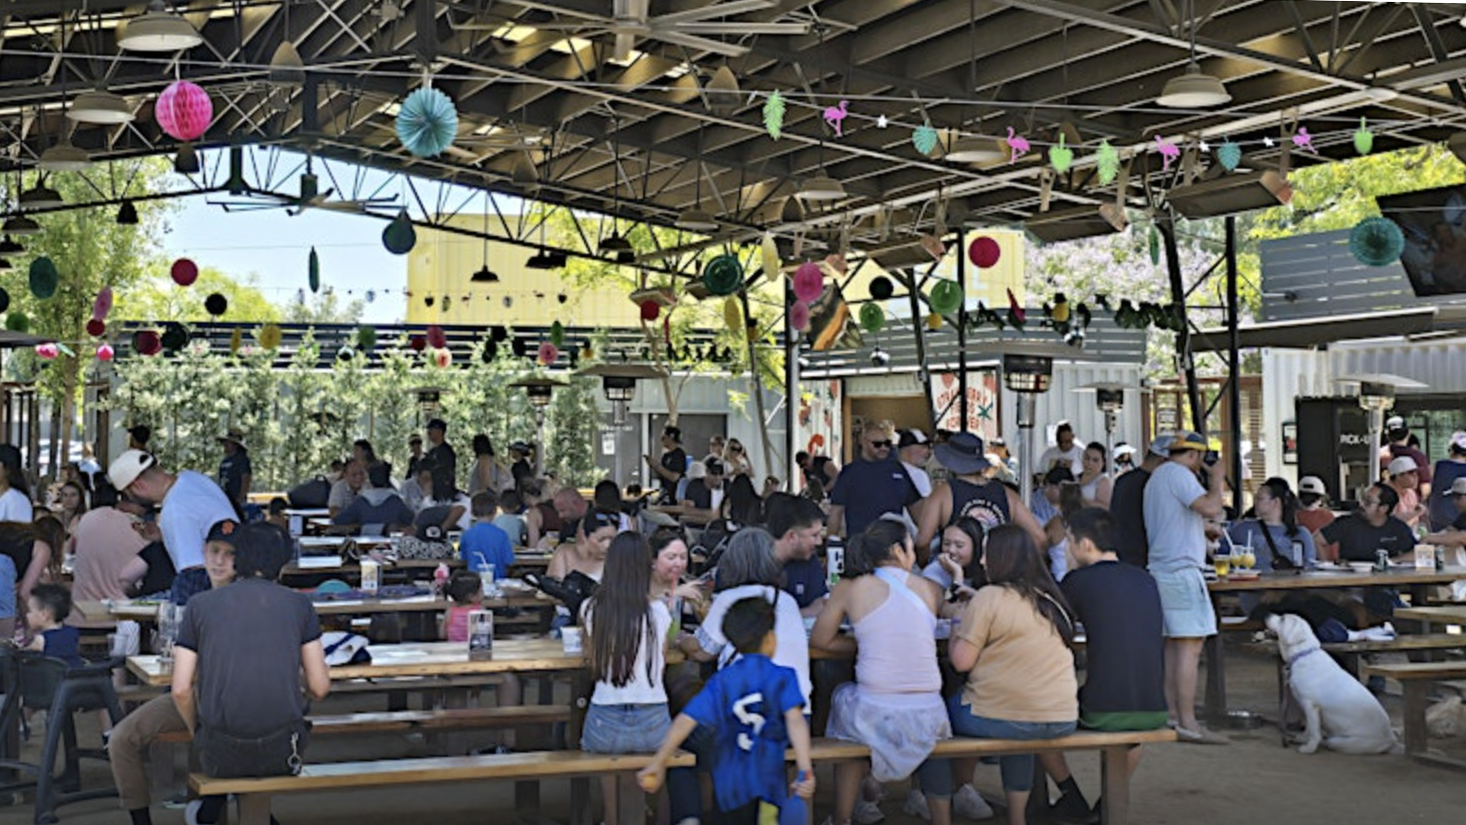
column 797, row 525
column 1120, row 608
column 869, row 488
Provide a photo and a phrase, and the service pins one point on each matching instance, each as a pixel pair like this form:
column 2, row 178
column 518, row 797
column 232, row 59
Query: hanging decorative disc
column 427, row 122
column 1376, row 242
column 399, row 236
column 723, row 275
column 44, row 278
column 216, row 304
column 872, row 317
column 881, row 288
column 946, row 296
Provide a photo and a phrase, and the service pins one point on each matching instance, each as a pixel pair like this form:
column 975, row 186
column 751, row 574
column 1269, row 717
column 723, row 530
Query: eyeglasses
column 737, row 448
column 880, row 445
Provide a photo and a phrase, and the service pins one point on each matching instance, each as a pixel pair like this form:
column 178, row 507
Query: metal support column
column 962, row 333
column 1234, row 366
column 1165, row 224
column 791, row 394
column 918, row 329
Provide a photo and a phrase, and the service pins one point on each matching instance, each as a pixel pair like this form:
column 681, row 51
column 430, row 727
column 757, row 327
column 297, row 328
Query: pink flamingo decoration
column 1169, row 152
column 1302, row 139
column 1017, row 144
column 835, row 116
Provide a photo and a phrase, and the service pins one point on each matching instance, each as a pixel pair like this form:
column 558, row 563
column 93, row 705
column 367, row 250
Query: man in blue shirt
column 797, row 526
column 872, row 486
column 483, row 543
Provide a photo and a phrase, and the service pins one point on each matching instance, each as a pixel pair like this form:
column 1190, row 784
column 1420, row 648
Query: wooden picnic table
column 1435, row 614
column 1215, row 705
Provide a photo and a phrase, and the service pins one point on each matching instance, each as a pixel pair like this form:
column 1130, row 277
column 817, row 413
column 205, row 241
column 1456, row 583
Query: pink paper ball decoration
column 984, row 252
column 184, row 272
column 809, row 282
column 548, row 353
column 105, row 352
column 184, row 111
column 799, row 316
column 442, row 358
column 48, row 352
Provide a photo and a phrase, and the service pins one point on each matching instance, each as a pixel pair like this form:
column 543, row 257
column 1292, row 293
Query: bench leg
column 254, row 809
column 1416, row 698
column 630, row 800
column 527, row 800
column 1215, row 705
column 580, row 801
column 1115, row 786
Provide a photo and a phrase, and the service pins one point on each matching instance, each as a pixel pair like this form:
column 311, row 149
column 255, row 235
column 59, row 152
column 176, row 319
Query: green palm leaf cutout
column 774, row 114
column 924, row 138
column 1107, row 163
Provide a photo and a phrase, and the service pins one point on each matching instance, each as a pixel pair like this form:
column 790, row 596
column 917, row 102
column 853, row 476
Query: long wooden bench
column 444, row 719
column 1416, row 679
column 254, row 794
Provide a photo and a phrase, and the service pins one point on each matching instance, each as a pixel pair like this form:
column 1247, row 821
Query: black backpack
column 310, row 495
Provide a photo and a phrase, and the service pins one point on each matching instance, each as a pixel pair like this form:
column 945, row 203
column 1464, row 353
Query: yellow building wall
column 439, row 267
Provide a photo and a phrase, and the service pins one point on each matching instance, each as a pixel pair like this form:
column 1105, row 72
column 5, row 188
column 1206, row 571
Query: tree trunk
column 758, row 390
column 68, row 412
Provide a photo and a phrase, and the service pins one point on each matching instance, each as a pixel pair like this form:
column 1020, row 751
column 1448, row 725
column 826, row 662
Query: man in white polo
column 191, row 504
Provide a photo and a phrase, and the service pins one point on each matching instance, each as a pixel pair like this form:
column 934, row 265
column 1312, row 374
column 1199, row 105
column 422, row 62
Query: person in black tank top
column 968, row 493
column 987, row 502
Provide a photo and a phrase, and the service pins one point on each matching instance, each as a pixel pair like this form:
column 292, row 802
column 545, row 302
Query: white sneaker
column 969, row 804
column 916, row 805
column 867, row 813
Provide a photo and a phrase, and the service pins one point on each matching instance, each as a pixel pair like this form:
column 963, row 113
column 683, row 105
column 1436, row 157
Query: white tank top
column 897, row 644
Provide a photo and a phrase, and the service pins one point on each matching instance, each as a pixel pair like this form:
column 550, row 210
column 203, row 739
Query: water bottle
column 834, row 559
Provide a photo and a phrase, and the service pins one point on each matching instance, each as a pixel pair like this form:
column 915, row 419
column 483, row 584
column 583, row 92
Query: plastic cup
column 572, row 639
column 1222, row 564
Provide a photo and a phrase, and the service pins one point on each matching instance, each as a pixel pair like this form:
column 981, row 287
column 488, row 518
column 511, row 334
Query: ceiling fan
column 697, row 29
column 250, row 199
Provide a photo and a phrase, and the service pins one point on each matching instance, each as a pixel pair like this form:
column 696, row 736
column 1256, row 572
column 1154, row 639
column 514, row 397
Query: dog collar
column 1296, row 656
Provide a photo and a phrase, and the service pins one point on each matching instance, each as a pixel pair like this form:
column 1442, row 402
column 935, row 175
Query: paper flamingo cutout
column 1302, row 139
column 1169, row 152
column 835, row 116
column 1018, row 144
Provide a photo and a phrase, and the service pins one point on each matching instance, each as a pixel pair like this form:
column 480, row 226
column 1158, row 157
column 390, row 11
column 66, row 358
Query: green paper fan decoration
column 427, row 122
column 945, row 297
column 366, row 338
column 1376, row 242
column 1107, row 162
column 1363, row 138
column 557, row 334
column 44, row 278
column 872, row 317
column 1061, row 157
column 774, row 114
column 924, row 138
column 18, row 322
column 723, row 275
column 399, row 237
column 1229, row 155
column 315, row 271
column 1155, row 246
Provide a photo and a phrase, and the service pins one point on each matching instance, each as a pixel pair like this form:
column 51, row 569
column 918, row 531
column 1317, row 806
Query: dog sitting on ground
column 1338, row 711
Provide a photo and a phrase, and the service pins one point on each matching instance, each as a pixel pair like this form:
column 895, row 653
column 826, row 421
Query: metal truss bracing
column 606, row 107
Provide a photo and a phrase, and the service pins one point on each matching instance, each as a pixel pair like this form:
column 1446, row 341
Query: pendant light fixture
column 187, row 160
column 821, row 187
column 694, row 219
column 975, row 149
column 20, row 225
column 127, row 214
column 286, row 67
column 40, row 196
column 158, row 30
column 485, row 275
column 101, row 107
column 1193, row 90
column 615, row 245
column 64, row 157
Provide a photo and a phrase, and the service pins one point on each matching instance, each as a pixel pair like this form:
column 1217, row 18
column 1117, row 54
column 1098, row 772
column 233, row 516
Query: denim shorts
column 1017, row 771
column 1185, row 604
column 625, row 728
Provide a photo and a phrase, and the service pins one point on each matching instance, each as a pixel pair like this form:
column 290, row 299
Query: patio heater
column 618, row 382
column 1376, row 395
column 428, row 402
column 1110, row 398
column 1027, row 375
column 539, row 390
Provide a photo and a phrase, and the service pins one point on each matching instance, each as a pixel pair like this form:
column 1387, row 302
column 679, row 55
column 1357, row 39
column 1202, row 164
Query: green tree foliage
column 158, row 298
column 323, row 308
column 90, row 250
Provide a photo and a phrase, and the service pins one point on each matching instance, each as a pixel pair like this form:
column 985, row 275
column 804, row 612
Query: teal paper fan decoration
column 399, row 237
column 44, row 278
column 1376, row 242
column 427, row 123
column 723, row 275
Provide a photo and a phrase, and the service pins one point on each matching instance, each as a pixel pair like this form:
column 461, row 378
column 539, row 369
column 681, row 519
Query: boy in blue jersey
column 755, row 709
column 484, row 543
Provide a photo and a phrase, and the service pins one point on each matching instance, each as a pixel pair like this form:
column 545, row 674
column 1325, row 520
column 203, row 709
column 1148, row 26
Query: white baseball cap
column 1403, row 464
column 1124, row 449
column 127, row 467
column 1312, row 484
column 1395, row 422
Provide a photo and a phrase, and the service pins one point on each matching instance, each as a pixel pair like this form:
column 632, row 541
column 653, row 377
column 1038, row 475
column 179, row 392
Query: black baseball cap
column 438, row 424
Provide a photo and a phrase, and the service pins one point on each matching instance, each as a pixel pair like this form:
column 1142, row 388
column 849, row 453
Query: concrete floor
column 1253, row 781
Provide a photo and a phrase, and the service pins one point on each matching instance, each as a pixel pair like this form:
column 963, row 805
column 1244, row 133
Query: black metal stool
column 33, row 681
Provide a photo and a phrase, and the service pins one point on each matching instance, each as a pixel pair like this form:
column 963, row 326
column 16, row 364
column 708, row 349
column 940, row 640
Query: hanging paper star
column 1205, row 147
column 1267, row 141
column 774, row 114
column 1107, row 162
column 881, row 122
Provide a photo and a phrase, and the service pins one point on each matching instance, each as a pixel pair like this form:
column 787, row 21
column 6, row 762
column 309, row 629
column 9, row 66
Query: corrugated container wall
column 1288, row 374
column 1063, row 401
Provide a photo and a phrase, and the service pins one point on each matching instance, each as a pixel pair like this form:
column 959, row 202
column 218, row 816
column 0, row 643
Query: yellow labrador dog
column 1338, row 711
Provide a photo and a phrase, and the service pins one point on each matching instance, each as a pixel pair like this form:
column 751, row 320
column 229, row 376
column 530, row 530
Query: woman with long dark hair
column 1095, row 483
column 1019, row 629
column 627, row 644
column 1273, row 533
column 957, row 568
column 15, row 491
column 742, row 506
column 486, row 473
column 72, row 504
column 895, row 703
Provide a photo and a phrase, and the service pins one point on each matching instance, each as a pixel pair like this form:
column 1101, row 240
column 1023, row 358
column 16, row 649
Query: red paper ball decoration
column 184, row 110
column 96, row 328
column 650, row 310
column 547, row 353
column 147, row 342
column 984, row 252
column 418, row 343
column 184, row 272
column 437, row 339
column 799, row 316
column 105, row 352
column 809, row 282
column 442, row 357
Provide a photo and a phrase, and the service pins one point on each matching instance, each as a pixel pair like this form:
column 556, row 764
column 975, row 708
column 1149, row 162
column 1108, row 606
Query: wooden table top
column 1342, row 578
column 1444, row 613
column 422, row 659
